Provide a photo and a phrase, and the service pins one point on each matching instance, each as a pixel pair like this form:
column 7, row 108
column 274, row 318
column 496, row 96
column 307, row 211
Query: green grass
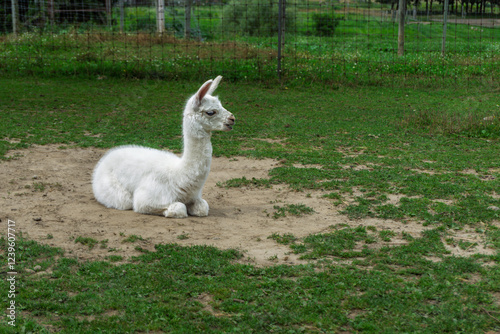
column 160, row 291
column 363, row 146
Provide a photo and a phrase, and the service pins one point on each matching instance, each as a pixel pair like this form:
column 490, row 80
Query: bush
column 324, row 24
column 256, row 17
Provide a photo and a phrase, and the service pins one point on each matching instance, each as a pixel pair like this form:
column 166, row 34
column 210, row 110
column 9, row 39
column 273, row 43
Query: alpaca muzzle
column 229, row 123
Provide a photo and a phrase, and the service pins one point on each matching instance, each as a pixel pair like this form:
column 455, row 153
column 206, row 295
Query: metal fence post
column 445, row 22
column 14, row 17
column 160, row 16
column 109, row 13
column 281, row 33
column 401, row 28
column 122, row 15
column 51, row 10
column 187, row 19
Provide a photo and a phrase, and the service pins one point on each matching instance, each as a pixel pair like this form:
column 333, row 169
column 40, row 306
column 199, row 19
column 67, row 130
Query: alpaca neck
column 197, row 155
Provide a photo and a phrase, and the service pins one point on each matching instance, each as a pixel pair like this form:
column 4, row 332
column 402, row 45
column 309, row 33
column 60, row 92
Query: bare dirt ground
column 47, row 191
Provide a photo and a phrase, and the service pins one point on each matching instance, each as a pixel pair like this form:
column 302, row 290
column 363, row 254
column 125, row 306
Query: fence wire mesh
column 346, row 40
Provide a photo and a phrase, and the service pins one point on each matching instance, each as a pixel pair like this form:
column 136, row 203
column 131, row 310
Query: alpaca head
column 205, row 112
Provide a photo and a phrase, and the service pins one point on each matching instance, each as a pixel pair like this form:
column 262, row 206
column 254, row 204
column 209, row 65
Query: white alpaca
column 159, row 182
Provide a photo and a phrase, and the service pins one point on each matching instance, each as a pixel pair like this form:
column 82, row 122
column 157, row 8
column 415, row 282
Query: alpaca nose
column 231, row 119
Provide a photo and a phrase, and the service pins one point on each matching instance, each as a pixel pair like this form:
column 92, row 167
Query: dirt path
column 488, row 23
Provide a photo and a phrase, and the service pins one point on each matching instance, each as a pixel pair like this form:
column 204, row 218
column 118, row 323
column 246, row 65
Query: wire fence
column 360, row 40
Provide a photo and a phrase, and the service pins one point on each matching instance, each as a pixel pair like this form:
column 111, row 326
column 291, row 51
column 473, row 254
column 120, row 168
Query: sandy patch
column 47, row 191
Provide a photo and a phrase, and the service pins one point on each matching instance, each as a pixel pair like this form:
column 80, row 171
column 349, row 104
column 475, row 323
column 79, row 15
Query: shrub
column 256, row 17
column 324, row 24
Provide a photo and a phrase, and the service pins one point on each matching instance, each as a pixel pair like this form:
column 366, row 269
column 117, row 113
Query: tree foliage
column 256, row 17
column 324, row 24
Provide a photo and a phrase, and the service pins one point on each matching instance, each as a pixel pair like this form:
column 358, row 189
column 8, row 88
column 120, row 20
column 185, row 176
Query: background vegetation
column 324, row 41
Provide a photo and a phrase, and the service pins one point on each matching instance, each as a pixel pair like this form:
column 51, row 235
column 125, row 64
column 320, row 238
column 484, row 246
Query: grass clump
column 132, row 238
column 386, row 235
column 292, row 209
column 114, row 258
column 285, row 239
column 183, row 236
column 39, row 186
column 336, row 197
column 244, row 182
column 90, row 242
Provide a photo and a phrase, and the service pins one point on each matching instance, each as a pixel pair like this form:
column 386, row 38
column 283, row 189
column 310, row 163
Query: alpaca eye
column 211, row 113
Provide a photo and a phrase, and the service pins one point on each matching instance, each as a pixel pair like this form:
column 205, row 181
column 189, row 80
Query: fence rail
column 253, row 39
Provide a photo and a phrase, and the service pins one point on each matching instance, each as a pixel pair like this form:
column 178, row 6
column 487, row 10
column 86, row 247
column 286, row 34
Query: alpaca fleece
column 151, row 181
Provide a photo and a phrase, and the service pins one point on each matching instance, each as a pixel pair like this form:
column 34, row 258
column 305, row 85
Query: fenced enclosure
column 340, row 40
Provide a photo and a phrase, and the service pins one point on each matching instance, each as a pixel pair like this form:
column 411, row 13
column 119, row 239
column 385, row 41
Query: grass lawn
column 435, row 149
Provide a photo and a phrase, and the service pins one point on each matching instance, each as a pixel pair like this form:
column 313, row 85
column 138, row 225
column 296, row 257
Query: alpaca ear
column 203, row 91
column 214, row 85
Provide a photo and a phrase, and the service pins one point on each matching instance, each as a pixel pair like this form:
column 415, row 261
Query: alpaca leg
column 176, row 210
column 198, row 208
column 143, row 203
